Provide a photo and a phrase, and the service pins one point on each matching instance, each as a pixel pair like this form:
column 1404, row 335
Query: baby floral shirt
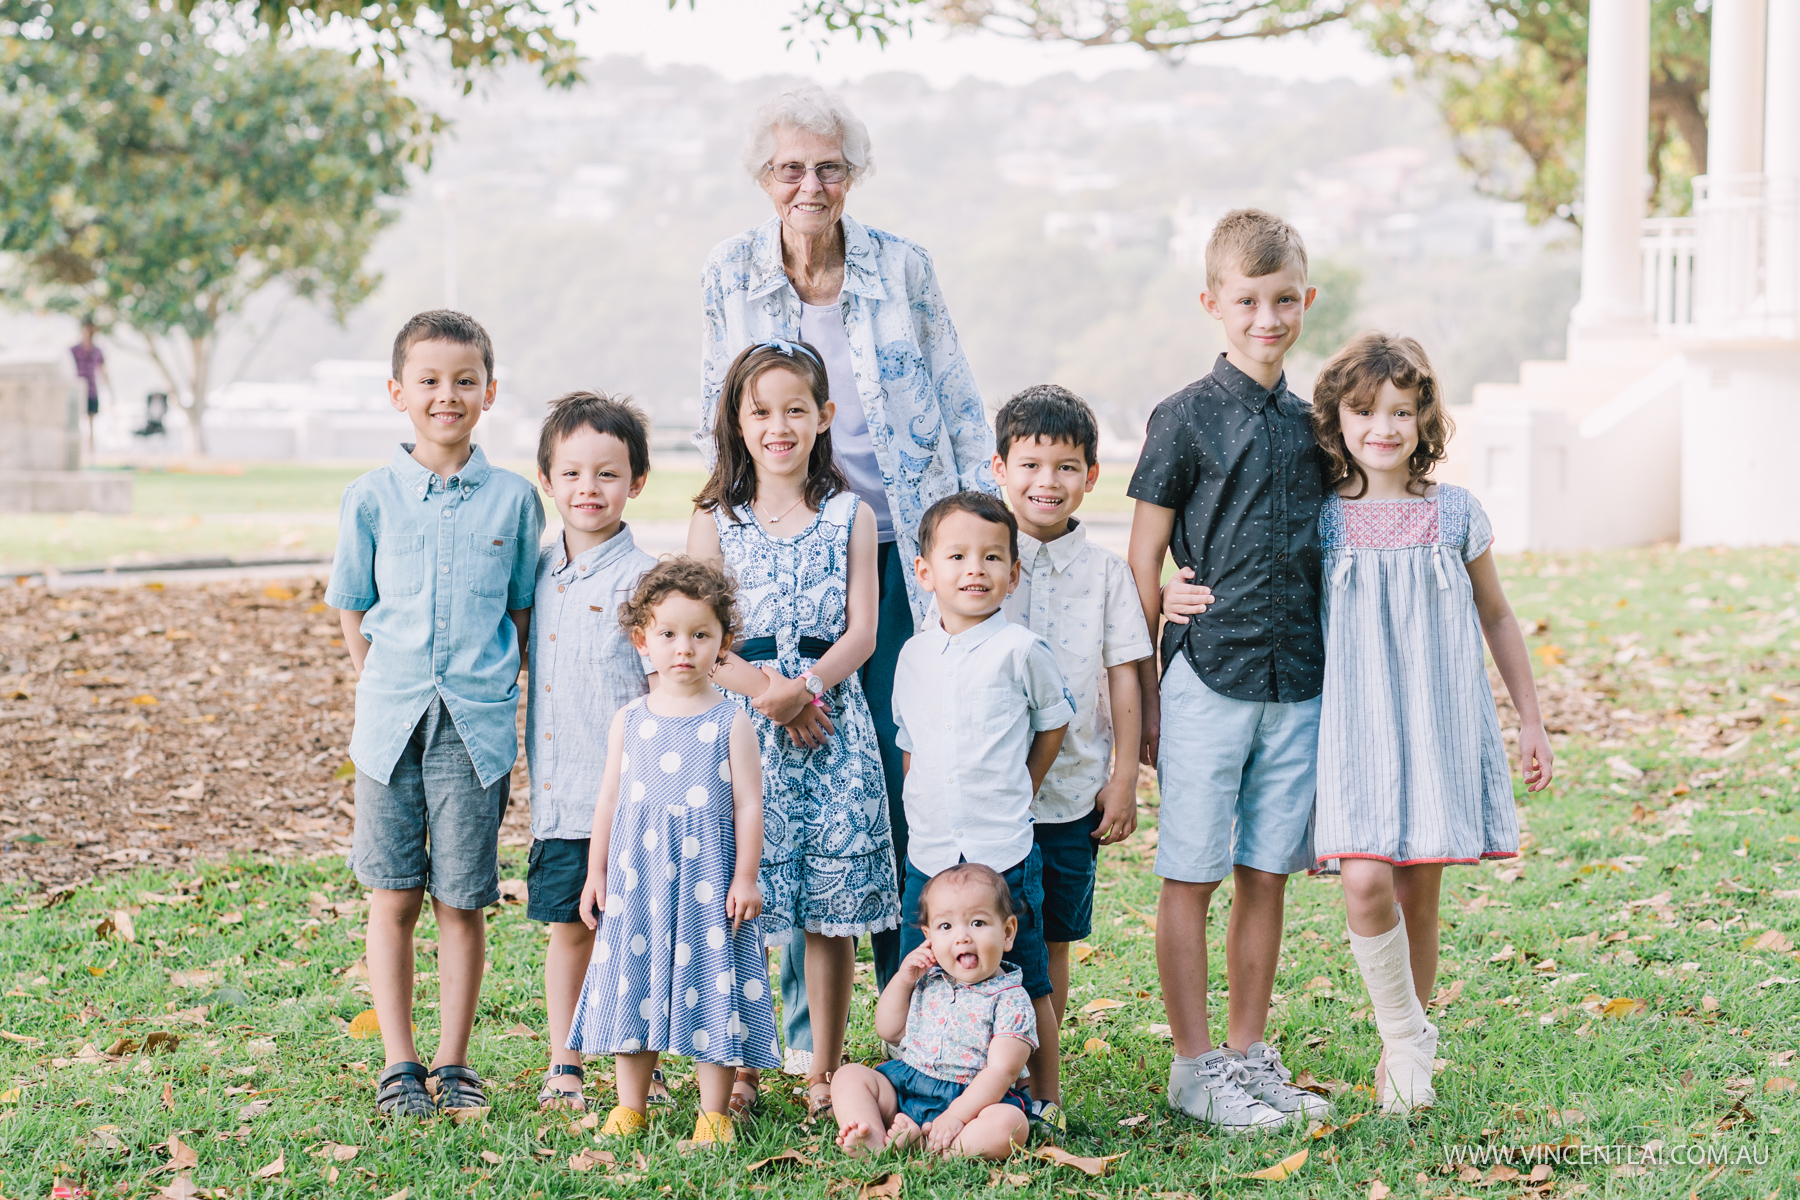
column 951, row 1023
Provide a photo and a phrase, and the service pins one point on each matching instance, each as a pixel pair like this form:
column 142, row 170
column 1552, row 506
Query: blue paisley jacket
column 931, row 435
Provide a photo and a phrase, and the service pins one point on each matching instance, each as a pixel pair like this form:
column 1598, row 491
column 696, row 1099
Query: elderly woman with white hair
column 908, row 428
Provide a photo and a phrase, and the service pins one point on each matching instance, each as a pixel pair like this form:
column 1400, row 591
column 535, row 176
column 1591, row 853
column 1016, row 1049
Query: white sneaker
column 1210, row 1089
column 1268, row 1080
column 797, row 1062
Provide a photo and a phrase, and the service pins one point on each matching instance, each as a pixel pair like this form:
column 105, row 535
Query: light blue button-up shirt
column 968, row 706
column 435, row 565
column 913, row 383
column 584, row 669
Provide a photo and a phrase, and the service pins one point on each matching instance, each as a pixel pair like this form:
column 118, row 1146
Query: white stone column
column 1618, row 149
column 1734, row 106
column 1781, row 163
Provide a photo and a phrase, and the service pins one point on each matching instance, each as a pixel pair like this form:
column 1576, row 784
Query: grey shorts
column 432, row 825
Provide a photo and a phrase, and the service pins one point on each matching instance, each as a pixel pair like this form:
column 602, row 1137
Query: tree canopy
column 157, row 179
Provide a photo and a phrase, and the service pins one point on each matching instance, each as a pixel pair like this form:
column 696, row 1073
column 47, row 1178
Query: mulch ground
column 163, row 725
column 159, row 725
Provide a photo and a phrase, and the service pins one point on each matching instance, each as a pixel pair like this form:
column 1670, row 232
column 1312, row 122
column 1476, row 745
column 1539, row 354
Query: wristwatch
column 813, row 683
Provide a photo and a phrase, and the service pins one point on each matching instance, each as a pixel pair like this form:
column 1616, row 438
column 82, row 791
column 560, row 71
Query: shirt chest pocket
column 490, row 563
column 990, row 713
column 400, row 565
column 602, row 640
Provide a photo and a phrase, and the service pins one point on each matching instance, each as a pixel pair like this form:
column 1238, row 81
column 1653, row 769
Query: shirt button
column 441, row 624
column 546, row 787
column 546, row 687
column 440, row 679
column 559, row 587
column 444, row 570
column 546, row 737
column 956, row 833
column 552, row 638
column 446, row 514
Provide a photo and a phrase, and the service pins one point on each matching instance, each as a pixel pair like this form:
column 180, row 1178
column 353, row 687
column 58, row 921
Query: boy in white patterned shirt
column 1080, row 598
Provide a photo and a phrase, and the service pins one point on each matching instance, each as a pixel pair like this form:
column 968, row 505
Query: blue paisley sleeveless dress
column 828, row 854
column 667, row 972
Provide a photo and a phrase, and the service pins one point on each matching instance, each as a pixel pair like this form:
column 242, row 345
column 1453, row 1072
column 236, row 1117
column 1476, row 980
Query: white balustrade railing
column 1669, row 245
column 1747, row 261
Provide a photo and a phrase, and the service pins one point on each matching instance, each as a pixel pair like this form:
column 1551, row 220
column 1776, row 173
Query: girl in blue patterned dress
column 800, row 546
column 1412, row 769
column 678, row 965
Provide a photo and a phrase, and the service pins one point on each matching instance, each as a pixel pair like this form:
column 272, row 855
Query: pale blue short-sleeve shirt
column 584, row 669
column 435, row 565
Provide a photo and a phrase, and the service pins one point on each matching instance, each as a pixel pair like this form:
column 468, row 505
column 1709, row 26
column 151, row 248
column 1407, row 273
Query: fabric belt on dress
column 762, row 649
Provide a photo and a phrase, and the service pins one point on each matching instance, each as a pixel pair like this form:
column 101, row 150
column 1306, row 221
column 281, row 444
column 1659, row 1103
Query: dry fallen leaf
column 790, row 1155
column 1095, row 1167
column 1009, row 1178
column 270, row 1170
column 365, row 1024
column 181, row 1189
column 887, row 1185
column 193, row 979
column 168, row 1097
column 253, row 1110
column 1771, row 939
column 339, row 1152
column 1081, row 952
column 1779, row 1083
column 519, row 1029
column 1095, row 1045
column 161, row 1042
column 182, row 1157
column 489, row 1157
column 464, row 1116
column 1447, row 996
column 1379, row 1190
column 1282, row 1169
column 1100, row 1005
column 402, row 1194
column 1623, row 1006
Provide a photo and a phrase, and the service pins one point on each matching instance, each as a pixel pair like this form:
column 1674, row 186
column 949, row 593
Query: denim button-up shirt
column 917, row 393
column 584, row 669
column 435, row 565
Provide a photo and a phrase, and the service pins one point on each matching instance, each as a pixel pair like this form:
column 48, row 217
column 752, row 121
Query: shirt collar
column 1245, row 390
column 862, row 271
column 1062, row 551
column 591, row 559
column 968, row 639
column 1007, row 976
column 420, row 479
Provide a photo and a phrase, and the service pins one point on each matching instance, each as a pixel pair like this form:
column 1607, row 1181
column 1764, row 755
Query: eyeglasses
column 828, row 172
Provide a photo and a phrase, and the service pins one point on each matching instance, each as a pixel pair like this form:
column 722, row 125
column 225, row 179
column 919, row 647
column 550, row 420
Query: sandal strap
column 459, row 1087
column 402, row 1090
column 566, row 1069
column 402, row 1070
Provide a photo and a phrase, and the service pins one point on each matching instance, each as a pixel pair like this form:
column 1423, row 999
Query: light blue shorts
column 1237, row 780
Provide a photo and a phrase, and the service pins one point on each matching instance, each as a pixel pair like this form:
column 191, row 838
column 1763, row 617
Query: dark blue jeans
column 893, row 627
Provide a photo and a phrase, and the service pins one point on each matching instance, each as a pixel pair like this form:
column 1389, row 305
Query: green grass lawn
column 1630, row 981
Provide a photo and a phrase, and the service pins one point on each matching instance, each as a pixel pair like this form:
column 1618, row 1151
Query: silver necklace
column 784, row 515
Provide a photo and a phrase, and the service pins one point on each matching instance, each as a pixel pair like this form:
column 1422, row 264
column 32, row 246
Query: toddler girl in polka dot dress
column 678, row 963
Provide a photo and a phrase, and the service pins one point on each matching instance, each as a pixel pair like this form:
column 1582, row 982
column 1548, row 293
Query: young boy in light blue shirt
column 433, row 578
column 593, row 456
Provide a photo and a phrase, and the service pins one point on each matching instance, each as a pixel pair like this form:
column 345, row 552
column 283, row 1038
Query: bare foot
column 903, row 1132
column 859, row 1138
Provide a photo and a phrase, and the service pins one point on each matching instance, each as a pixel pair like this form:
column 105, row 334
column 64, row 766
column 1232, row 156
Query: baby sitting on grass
column 965, row 1028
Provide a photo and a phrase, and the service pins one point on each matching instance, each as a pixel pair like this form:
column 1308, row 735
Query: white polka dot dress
column 667, row 973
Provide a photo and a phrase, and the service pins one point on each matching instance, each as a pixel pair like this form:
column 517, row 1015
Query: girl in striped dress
column 678, row 966
column 1412, row 770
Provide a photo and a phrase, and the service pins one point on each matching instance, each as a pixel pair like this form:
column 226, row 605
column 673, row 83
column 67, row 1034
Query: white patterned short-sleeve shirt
column 951, row 1024
column 1081, row 599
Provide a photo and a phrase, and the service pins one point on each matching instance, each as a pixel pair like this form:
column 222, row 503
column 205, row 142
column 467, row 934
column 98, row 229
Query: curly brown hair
column 683, row 576
column 1355, row 374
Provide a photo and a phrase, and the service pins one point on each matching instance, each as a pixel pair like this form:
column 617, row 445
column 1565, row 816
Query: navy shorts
column 1028, row 953
column 1070, row 857
column 925, row 1097
column 554, row 876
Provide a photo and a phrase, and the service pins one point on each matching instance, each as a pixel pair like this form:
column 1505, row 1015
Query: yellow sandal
column 624, row 1122
column 714, row 1129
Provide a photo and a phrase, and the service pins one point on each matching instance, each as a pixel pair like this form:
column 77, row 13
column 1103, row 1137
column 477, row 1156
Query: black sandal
column 458, row 1088
column 403, row 1091
column 553, row 1097
column 657, row 1082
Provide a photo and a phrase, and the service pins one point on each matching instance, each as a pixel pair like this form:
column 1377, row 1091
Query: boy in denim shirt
column 593, row 456
column 435, row 566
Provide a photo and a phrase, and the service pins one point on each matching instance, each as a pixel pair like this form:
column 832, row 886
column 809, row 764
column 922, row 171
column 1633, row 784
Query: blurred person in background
column 90, row 364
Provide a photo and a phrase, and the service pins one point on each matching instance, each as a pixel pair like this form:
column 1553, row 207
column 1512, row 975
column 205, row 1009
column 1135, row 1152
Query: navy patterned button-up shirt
column 1239, row 465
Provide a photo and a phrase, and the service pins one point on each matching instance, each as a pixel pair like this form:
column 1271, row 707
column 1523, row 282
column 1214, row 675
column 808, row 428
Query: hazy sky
column 743, row 38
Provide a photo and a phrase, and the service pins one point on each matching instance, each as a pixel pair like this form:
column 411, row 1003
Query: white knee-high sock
column 1386, row 964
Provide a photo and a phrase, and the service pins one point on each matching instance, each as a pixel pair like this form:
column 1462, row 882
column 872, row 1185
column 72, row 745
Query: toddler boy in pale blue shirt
column 593, row 456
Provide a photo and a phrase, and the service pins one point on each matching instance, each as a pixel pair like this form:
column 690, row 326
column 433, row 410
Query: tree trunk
column 201, row 349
